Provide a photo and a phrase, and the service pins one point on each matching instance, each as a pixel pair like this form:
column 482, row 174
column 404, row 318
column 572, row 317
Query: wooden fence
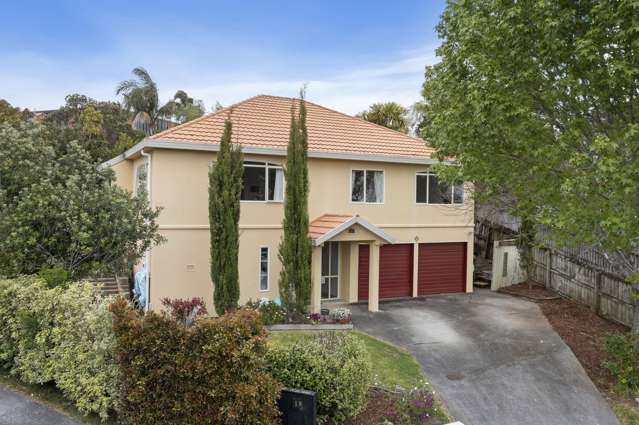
column 605, row 292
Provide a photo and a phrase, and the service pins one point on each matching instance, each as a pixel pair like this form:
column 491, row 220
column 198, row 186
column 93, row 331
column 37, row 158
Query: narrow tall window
column 430, row 190
column 367, row 186
column 264, row 268
column 141, row 179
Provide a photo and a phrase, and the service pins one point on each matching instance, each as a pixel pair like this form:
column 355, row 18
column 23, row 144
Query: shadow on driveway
column 494, row 359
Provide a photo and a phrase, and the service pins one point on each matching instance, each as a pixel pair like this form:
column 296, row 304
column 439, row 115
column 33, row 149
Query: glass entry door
column 330, row 270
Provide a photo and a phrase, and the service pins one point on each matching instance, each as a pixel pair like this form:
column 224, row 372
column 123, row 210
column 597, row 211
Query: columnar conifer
column 225, row 187
column 295, row 246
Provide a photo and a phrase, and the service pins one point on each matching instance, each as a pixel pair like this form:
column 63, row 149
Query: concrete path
column 19, row 409
column 494, row 359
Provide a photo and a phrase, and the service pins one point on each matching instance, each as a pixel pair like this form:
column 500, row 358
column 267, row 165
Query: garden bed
column 584, row 332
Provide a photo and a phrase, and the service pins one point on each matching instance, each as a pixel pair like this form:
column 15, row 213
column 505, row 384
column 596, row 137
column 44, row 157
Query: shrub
column 185, row 311
column 211, row 372
column 271, row 312
column 62, row 335
column 334, row 365
column 54, row 276
column 623, row 361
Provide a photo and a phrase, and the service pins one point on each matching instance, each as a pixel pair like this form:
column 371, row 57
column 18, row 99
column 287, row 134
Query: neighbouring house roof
column 327, row 226
column 264, row 121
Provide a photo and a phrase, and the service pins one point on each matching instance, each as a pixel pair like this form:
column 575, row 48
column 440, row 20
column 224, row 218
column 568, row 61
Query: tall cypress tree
column 225, row 187
column 295, row 246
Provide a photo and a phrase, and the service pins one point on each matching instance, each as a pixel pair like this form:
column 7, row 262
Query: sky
column 349, row 53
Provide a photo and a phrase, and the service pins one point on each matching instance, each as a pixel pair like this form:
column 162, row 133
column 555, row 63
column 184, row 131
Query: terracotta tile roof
column 325, row 223
column 263, row 122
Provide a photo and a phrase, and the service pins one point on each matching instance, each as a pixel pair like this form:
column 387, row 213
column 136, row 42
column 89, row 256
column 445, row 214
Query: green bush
column 334, row 365
column 54, row 276
column 63, row 335
column 209, row 373
column 623, row 361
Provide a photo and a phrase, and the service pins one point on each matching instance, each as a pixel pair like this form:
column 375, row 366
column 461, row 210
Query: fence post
column 596, row 307
column 549, row 271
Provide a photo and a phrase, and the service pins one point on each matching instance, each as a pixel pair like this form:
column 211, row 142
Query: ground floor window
column 264, row 257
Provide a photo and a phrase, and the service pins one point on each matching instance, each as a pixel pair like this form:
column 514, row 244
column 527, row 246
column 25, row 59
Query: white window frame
column 266, row 166
column 350, row 192
column 136, row 180
column 268, row 269
column 452, row 190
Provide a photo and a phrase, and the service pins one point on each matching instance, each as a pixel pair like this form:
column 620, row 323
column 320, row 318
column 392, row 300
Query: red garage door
column 395, row 271
column 441, row 268
column 362, row 275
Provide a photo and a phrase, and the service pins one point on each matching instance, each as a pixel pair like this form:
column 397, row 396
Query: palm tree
column 141, row 96
column 389, row 114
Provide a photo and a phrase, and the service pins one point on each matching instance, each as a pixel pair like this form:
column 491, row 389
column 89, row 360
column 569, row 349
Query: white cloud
column 37, row 82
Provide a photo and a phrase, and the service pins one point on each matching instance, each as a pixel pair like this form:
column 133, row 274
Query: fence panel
column 606, row 294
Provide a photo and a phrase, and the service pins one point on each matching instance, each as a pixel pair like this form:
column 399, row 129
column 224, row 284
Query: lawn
column 391, row 365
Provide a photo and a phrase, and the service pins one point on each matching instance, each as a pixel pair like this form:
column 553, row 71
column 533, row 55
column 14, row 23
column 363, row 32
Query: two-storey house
column 382, row 225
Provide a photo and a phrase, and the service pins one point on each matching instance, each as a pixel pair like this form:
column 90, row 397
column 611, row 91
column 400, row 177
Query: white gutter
column 215, row 147
column 148, row 157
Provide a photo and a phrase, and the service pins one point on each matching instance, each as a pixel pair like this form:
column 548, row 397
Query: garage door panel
column 396, row 271
column 362, row 275
column 441, row 268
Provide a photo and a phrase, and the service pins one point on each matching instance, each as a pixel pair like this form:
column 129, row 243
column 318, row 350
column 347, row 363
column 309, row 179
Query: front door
column 330, row 270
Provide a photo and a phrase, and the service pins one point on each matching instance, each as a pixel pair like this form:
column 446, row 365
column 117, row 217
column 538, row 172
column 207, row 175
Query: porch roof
column 328, row 226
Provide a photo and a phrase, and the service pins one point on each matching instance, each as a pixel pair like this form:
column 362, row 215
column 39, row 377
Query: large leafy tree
column 184, row 108
column 103, row 129
column 12, row 115
column 295, row 247
column 225, row 188
column 389, row 114
column 538, row 102
column 57, row 209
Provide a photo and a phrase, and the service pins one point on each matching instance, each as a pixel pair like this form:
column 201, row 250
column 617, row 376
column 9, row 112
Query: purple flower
column 419, row 403
column 424, row 417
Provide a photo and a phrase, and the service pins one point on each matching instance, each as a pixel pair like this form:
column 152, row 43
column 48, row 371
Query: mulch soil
column 580, row 328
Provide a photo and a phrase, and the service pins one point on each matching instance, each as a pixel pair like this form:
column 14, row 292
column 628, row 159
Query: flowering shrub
column 341, row 314
column 185, row 311
column 271, row 313
column 416, row 406
column 210, row 373
column 334, row 365
column 315, row 318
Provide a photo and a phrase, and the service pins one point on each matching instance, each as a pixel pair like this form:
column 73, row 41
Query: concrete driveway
column 494, row 359
column 19, row 409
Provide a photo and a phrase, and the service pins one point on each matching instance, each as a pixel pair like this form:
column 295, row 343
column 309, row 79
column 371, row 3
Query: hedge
column 61, row 335
column 211, row 372
column 334, row 365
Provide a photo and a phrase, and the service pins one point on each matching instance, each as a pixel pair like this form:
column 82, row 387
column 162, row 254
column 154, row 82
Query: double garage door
column 441, row 269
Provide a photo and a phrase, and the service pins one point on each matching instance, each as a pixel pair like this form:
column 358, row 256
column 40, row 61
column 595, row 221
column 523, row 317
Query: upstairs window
column 430, row 190
column 262, row 182
column 367, row 186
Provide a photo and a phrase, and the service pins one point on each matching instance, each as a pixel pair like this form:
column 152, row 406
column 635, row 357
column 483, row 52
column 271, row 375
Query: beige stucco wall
column 124, row 175
column 180, row 267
